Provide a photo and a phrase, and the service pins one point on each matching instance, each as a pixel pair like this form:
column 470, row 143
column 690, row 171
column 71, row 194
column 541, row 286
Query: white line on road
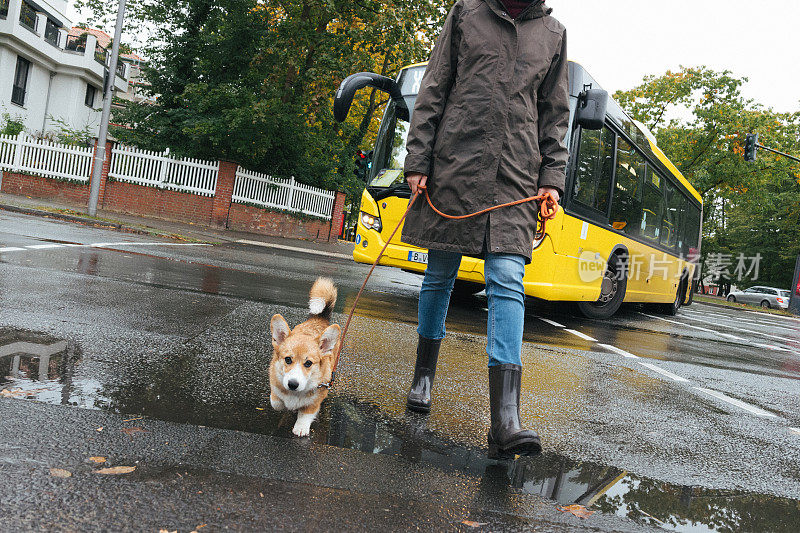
column 96, row 245
column 295, row 249
column 581, row 335
column 796, row 431
column 708, row 319
column 663, row 372
column 42, row 246
column 770, row 347
column 620, row 351
column 551, row 322
column 739, row 328
column 738, row 403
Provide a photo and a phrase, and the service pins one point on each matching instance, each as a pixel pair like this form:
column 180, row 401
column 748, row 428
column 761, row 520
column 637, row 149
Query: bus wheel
column 463, row 288
column 612, row 292
column 672, row 308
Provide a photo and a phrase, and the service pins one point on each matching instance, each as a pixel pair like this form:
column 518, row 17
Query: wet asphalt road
column 688, row 422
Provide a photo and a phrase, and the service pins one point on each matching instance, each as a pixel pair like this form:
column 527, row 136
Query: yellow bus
column 629, row 225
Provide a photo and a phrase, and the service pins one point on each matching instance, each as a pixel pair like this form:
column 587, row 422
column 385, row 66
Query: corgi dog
column 302, row 360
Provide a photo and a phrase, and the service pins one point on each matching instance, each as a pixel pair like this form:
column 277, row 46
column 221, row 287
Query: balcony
column 44, row 37
column 27, row 17
column 51, row 33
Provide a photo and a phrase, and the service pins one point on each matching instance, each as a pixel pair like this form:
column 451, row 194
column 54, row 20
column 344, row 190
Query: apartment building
column 50, row 72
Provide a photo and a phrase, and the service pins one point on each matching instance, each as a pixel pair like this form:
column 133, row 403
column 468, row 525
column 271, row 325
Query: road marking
column 663, row 372
column 760, row 345
column 697, row 327
column 796, row 431
column 42, row 246
column 295, row 249
column 745, row 330
column 551, row 322
column 738, row 403
column 97, row 245
column 705, row 317
column 581, row 335
column 771, row 347
column 620, row 351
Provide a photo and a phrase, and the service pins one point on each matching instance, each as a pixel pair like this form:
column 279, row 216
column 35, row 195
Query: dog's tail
column 322, row 298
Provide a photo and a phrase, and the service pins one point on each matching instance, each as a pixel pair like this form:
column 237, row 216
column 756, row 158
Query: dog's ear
column 279, row 328
column 328, row 339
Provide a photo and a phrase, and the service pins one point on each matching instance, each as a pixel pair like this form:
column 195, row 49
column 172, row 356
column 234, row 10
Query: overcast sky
column 620, row 41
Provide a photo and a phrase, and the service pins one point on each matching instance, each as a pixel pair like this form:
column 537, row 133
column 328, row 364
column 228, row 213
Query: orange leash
column 547, row 211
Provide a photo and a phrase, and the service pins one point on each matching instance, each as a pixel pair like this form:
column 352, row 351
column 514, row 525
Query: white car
column 767, row 297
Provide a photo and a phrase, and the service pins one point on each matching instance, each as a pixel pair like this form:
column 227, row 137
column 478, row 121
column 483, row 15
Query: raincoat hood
column 538, row 9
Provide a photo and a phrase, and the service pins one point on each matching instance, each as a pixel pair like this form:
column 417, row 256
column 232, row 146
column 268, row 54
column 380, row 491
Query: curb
column 81, row 220
column 723, row 306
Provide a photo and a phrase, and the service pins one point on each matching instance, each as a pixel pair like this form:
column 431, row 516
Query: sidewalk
column 156, row 227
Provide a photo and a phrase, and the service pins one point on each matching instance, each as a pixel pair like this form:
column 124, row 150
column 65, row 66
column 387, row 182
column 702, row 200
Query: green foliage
column 11, row 125
column 253, row 81
column 65, row 134
column 700, row 120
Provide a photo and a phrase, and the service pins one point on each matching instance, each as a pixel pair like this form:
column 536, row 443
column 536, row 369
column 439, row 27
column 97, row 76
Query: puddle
column 46, row 369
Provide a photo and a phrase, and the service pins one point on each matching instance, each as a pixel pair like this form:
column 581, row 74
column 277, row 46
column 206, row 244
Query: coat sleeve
column 553, row 107
column 432, row 98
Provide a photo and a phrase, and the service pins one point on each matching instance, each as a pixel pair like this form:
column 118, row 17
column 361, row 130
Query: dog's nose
column 293, row 384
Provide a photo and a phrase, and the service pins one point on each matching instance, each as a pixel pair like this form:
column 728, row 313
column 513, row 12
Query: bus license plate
column 418, row 257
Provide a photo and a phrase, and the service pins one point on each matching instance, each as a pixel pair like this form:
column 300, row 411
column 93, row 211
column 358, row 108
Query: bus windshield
column 390, row 149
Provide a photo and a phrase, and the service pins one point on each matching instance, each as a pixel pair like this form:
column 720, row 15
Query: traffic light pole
column 793, row 158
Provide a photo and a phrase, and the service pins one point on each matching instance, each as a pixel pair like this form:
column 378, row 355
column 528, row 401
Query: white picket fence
column 288, row 195
column 45, row 158
column 158, row 169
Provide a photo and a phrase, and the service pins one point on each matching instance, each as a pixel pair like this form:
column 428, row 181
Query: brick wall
column 257, row 220
column 36, row 187
column 132, row 199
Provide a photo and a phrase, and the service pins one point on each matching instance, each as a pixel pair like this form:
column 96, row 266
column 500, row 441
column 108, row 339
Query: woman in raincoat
column 488, row 128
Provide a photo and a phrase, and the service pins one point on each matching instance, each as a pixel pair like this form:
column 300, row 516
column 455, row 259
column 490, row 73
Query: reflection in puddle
column 38, row 366
column 46, row 369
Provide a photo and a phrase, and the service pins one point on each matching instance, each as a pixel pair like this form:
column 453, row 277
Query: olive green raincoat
column 488, row 127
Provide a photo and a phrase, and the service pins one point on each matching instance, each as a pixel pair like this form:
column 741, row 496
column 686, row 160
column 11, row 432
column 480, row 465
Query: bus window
column 681, row 225
column 670, row 222
column 691, row 228
column 652, row 205
column 594, row 169
column 626, row 208
column 390, row 153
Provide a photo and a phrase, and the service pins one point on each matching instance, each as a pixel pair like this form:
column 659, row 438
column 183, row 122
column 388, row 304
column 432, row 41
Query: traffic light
column 750, row 147
column 362, row 165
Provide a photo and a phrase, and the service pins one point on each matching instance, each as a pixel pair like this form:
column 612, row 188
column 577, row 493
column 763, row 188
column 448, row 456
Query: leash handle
column 547, row 211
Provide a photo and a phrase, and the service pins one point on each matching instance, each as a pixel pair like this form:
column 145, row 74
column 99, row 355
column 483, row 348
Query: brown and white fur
column 303, row 358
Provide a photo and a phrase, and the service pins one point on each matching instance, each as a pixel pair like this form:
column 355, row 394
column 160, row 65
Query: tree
column 700, row 120
column 253, row 81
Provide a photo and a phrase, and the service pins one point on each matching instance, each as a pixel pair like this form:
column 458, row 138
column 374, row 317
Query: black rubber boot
column 507, row 438
column 419, row 397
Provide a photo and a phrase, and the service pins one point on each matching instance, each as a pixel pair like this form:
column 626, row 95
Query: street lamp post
column 100, row 152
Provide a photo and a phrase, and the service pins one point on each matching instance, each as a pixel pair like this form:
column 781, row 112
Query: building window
column 20, row 81
column 27, row 16
column 51, row 34
column 90, row 94
column 3, row 9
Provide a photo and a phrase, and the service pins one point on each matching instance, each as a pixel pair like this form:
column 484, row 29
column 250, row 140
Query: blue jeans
column 504, row 289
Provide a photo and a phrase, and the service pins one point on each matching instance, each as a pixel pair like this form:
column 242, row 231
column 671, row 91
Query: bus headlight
column 371, row 222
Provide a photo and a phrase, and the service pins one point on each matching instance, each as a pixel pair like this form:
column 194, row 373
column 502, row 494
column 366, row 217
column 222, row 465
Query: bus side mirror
column 354, row 82
column 591, row 112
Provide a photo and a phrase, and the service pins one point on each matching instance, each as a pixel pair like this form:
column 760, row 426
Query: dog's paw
column 301, row 430
column 303, row 425
column 276, row 403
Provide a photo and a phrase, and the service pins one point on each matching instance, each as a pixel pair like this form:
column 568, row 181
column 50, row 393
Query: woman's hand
column 552, row 191
column 415, row 181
